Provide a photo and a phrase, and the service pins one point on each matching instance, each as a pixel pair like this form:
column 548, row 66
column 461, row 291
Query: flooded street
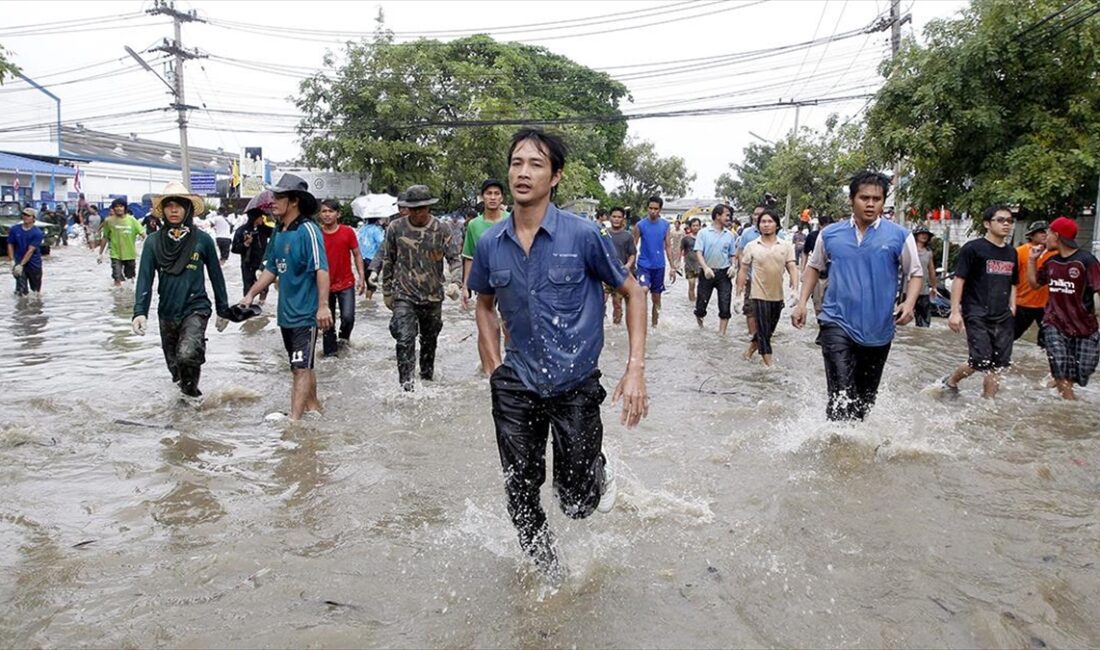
column 130, row 518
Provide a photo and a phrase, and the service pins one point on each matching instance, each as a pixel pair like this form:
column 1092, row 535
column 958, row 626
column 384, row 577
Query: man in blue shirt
column 544, row 269
column 863, row 256
column 296, row 256
column 651, row 238
column 715, row 250
column 371, row 235
column 25, row 253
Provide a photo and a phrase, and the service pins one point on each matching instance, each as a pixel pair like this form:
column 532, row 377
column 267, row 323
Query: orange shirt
column 1025, row 295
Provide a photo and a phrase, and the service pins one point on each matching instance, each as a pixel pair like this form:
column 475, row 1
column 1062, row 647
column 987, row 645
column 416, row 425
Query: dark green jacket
column 183, row 294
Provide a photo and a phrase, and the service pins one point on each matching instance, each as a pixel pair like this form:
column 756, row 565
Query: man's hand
column 631, row 389
column 17, row 270
column 453, row 291
column 324, row 318
column 708, row 272
column 672, row 275
column 138, row 325
column 372, row 279
column 387, row 300
column 1036, row 251
column 221, row 323
column 903, row 314
column 465, row 298
column 731, row 273
column 798, row 316
column 361, row 287
column 955, row 322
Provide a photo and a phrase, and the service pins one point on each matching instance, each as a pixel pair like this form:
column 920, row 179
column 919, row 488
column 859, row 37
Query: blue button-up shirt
column 551, row 298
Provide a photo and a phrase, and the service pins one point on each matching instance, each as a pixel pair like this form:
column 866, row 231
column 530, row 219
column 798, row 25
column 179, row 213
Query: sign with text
column 203, row 183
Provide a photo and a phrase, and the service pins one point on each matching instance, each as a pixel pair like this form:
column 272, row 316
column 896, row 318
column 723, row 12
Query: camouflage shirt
column 412, row 260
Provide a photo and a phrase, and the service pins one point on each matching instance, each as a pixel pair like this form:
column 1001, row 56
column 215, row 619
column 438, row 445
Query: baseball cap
column 491, row 182
column 1066, row 229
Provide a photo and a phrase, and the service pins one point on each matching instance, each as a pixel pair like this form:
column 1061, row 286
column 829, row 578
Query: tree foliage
column 390, row 110
column 1000, row 106
column 642, row 174
column 813, row 165
column 7, row 68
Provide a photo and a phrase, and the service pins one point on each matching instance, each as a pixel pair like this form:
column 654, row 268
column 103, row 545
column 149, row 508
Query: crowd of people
column 539, row 280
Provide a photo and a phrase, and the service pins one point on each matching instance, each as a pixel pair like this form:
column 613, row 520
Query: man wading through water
column 863, row 256
column 545, row 269
column 177, row 254
column 412, row 281
column 296, row 256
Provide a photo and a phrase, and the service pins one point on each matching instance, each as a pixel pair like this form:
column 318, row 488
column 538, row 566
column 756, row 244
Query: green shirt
column 184, row 294
column 474, row 230
column 121, row 234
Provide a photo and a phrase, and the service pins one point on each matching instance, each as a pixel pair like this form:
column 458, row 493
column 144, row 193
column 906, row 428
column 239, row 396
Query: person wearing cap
column 492, row 196
column 296, row 257
column 120, row 232
column 177, row 255
column 867, row 257
column 922, row 312
column 25, row 253
column 983, row 300
column 545, row 269
column 1071, row 334
column 1031, row 303
column 411, row 265
column 250, row 242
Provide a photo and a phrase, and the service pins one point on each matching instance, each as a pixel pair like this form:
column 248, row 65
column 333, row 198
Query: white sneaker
column 609, row 491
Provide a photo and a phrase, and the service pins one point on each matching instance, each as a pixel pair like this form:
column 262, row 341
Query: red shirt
column 338, row 248
column 1072, row 281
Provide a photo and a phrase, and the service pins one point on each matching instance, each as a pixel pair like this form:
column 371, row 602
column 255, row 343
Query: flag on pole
column 15, row 185
column 236, row 174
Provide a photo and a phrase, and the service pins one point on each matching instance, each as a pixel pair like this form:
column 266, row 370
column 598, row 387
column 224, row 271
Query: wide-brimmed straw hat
column 176, row 190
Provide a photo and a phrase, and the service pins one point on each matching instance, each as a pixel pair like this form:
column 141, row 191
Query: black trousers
column 852, row 373
column 767, row 319
column 31, row 280
column 523, row 421
column 408, row 320
column 922, row 313
column 724, row 284
column 184, row 345
column 1025, row 316
column 345, row 298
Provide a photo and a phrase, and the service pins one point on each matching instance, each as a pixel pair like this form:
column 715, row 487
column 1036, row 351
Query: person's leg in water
column 702, row 298
column 301, row 344
column 870, row 362
column 346, row 298
column 522, row 426
column 923, row 311
column 169, row 343
column 838, row 352
column 430, row 320
column 328, row 337
column 403, row 329
column 767, row 319
column 191, row 352
column 578, row 444
column 725, row 297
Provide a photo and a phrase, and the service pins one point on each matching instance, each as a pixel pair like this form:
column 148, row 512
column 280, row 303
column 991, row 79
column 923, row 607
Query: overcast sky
column 627, row 39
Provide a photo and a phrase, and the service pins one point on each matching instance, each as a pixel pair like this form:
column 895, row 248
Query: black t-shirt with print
column 990, row 272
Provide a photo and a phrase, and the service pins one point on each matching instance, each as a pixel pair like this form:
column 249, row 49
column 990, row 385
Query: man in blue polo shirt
column 296, row 256
column 545, row 270
column 863, row 256
column 25, row 253
column 651, row 238
column 716, row 252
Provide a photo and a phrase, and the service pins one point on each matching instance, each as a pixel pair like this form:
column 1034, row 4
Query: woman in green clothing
column 177, row 254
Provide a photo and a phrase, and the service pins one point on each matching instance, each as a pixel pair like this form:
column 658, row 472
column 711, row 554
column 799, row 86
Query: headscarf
column 174, row 244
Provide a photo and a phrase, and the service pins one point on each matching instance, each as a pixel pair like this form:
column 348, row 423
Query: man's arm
column 324, row 316
column 792, row 271
column 266, row 279
column 632, row 388
column 11, row 250
column 810, row 277
column 361, row 285
column 1032, row 274
column 630, row 262
column 389, row 259
column 955, row 321
column 743, row 277
column 488, row 332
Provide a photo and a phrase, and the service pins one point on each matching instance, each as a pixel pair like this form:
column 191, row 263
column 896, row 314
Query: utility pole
column 787, row 212
column 168, row 7
column 896, row 21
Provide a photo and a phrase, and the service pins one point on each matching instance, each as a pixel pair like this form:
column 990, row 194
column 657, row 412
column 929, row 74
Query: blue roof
column 12, row 163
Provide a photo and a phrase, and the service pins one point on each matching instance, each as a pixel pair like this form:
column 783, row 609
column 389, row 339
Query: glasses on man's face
column 1003, row 220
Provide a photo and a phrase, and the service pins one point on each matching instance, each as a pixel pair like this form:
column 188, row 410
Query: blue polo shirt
column 717, row 247
column 21, row 240
column 552, row 298
column 295, row 254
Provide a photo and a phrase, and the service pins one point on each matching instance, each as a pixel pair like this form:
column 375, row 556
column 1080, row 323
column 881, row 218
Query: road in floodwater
column 132, row 519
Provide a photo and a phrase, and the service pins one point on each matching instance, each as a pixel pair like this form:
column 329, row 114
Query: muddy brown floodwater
column 129, row 518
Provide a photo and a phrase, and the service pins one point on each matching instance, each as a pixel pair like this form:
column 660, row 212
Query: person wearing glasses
column 983, row 302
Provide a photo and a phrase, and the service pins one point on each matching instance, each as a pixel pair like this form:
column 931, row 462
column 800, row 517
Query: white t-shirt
column 221, row 227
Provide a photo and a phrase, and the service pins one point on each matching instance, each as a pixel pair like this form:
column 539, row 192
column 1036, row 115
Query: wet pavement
column 131, row 518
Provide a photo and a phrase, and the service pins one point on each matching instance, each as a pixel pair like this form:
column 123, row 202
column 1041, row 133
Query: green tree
column 7, row 68
column 642, row 174
column 401, row 112
column 1002, row 105
column 813, row 166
